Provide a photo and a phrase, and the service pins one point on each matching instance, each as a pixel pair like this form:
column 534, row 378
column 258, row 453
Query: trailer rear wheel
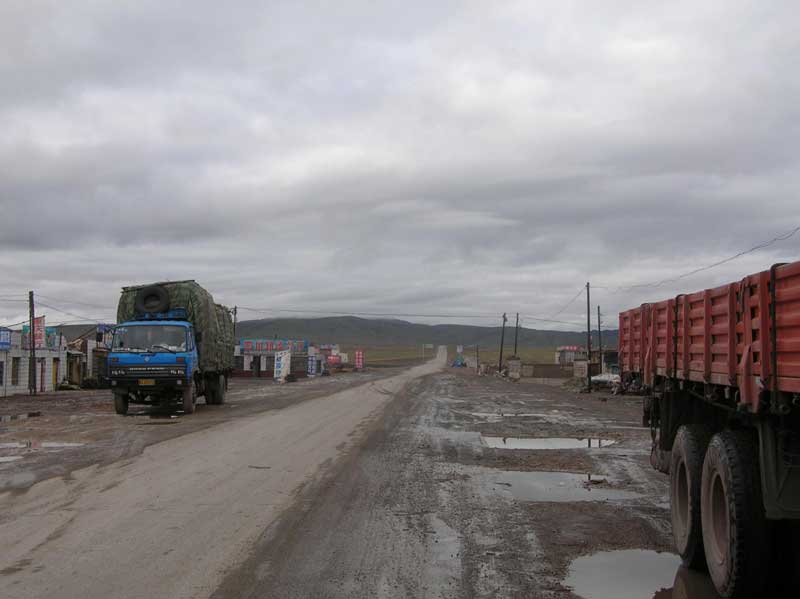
column 222, row 387
column 734, row 528
column 188, row 398
column 215, row 390
column 121, row 403
column 685, row 475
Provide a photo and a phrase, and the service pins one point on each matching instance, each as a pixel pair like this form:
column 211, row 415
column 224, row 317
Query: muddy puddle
column 556, row 486
column 636, row 574
column 39, row 445
column 10, row 458
column 545, row 442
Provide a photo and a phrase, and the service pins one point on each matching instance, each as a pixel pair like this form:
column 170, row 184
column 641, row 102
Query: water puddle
column 9, row 458
column 557, row 486
column 545, row 442
column 628, row 574
column 39, row 445
column 14, row 445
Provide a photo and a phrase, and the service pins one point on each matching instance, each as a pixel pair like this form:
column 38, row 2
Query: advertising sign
column 5, row 339
column 334, row 360
column 359, row 359
column 44, row 337
column 38, row 331
column 270, row 346
column 283, row 363
column 312, row 365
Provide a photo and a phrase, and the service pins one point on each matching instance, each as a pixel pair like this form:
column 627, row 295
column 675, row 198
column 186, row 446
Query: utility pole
column 477, row 358
column 502, row 342
column 516, row 336
column 235, row 312
column 588, row 341
column 599, row 339
column 32, row 347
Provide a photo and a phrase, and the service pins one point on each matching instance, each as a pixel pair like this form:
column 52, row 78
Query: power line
column 570, row 302
column 84, row 318
column 756, row 247
column 74, row 302
column 16, row 324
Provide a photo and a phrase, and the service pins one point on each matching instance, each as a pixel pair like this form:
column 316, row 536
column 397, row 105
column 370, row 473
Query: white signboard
column 312, row 365
column 283, row 363
column 459, row 349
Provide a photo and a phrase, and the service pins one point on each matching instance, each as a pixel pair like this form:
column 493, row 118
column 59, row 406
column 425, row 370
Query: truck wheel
column 121, row 403
column 685, row 475
column 222, row 386
column 734, row 527
column 188, row 399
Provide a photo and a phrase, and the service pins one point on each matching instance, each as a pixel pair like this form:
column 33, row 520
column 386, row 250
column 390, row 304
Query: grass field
column 529, row 355
column 384, row 355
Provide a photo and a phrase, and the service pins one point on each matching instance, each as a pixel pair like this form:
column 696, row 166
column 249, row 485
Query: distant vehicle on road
column 172, row 343
column 721, row 372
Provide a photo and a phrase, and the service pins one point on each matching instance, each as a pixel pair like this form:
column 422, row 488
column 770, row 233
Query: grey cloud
column 440, row 157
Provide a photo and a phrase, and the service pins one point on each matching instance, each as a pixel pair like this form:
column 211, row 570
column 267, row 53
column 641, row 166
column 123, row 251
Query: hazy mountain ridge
column 354, row 330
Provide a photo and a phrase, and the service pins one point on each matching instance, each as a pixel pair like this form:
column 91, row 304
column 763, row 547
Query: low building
column 51, row 365
column 567, row 354
column 256, row 357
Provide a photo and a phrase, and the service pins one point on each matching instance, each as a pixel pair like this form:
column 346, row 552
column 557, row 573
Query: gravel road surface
column 173, row 520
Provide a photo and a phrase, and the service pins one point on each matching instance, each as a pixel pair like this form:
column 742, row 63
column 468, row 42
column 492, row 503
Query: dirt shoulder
column 426, row 507
column 75, row 429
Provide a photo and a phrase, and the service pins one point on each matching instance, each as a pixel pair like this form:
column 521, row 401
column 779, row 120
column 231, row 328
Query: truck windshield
column 150, row 338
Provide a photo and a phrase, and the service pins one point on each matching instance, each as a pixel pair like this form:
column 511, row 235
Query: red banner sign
column 38, row 331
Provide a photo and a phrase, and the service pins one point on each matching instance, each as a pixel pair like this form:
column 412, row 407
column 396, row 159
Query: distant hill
column 350, row 330
column 73, row 331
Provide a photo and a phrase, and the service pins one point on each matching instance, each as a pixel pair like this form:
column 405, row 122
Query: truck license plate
column 147, row 382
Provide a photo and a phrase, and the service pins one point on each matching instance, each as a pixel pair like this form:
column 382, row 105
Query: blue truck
column 172, row 344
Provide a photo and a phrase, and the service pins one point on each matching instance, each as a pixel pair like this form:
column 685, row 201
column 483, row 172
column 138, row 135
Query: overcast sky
column 406, row 157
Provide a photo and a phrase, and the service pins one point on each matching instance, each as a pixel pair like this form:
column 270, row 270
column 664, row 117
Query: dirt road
column 174, row 520
column 476, row 487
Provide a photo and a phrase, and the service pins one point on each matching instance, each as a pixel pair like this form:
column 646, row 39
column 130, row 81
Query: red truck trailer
column 720, row 370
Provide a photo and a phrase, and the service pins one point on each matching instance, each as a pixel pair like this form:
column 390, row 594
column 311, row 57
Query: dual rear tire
column 215, row 390
column 717, row 514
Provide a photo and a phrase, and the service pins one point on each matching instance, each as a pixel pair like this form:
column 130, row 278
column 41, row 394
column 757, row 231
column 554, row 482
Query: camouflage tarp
column 212, row 320
column 226, row 339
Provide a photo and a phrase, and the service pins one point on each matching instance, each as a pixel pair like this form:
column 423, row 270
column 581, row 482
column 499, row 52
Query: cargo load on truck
column 720, row 372
column 212, row 321
column 172, row 343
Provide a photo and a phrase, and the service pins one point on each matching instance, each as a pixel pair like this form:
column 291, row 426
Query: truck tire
column 734, row 527
column 151, row 299
column 188, row 398
column 222, row 387
column 215, row 389
column 211, row 390
column 685, row 476
column 121, row 403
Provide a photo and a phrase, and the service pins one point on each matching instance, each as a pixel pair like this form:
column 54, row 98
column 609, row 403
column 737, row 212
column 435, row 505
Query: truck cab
column 153, row 360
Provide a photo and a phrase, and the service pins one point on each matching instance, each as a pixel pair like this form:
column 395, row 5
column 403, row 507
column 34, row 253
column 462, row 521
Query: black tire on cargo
column 121, row 403
column 151, row 299
column 685, row 476
column 734, row 527
column 188, row 398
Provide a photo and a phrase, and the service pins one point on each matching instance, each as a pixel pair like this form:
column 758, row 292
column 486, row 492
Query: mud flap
column 780, row 471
